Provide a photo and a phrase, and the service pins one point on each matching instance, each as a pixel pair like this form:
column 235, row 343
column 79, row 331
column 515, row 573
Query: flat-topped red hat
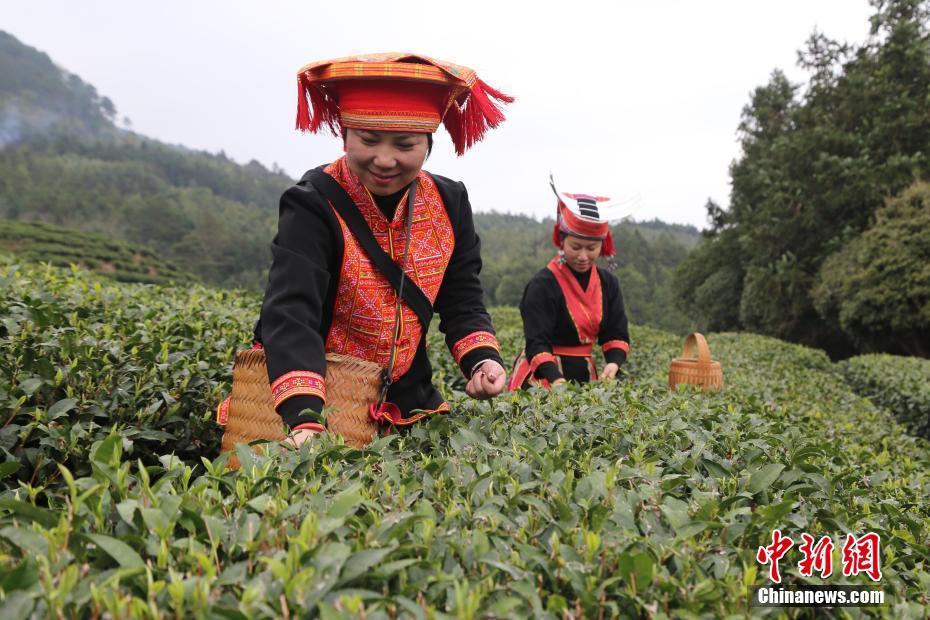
column 397, row 92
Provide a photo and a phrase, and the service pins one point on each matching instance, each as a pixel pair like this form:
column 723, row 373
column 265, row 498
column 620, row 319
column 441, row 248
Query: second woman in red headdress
column 573, row 304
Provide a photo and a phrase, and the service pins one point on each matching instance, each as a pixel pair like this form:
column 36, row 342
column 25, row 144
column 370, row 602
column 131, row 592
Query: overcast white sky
column 625, row 99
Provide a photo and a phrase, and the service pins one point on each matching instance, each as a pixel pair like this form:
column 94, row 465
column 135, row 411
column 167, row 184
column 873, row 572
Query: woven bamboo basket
column 351, row 386
column 702, row 371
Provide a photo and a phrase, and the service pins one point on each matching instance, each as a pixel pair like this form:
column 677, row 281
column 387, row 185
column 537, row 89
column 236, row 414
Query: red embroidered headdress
column 397, row 92
column 579, row 215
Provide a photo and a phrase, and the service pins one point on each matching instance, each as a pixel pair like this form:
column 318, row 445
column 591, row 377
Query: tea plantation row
column 900, row 384
column 614, row 500
column 41, row 241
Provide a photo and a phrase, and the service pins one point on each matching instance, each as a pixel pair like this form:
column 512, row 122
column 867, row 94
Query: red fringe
column 303, row 109
column 607, row 247
column 468, row 121
column 312, row 99
column 556, row 236
column 454, row 125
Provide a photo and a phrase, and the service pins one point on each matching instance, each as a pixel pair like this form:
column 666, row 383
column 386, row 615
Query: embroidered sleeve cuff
column 541, row 358
column 471, row 342
column 547, row 371
column 301, row 410
column 297, row 383
column 611, row 345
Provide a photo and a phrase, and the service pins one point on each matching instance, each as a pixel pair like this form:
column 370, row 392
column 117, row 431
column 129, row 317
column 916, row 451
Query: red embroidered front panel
column 471, row 342
column 616, row 344
column 297, row 383
column 363, row 313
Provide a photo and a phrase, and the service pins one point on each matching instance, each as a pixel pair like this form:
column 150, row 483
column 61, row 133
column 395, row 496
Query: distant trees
column 817, row 163
column 877, row 287
column 212, row 217
column 215, row 218
column 515, row 247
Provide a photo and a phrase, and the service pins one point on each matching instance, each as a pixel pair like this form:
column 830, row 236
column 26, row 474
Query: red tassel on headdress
column 303, row 108
column 315, row 107
column 607, row 247
column 468, row 121
column 556, row 236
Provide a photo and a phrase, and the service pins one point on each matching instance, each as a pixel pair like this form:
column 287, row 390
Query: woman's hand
column 298, row 437
column 610, row 371
column 488, row 381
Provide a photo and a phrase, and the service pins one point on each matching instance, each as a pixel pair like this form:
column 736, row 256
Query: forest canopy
column 793, row 254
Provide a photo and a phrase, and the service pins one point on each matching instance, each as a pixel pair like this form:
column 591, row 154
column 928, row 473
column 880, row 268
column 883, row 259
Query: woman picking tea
column 325, row 293
column 572, row 303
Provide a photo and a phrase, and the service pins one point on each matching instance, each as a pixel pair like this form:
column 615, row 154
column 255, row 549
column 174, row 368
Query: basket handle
column 702, row 349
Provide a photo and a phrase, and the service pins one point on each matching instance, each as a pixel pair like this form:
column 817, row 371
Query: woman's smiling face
column 385, row 161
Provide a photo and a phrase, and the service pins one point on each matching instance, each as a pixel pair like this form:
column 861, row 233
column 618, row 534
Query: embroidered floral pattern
column 363, row 313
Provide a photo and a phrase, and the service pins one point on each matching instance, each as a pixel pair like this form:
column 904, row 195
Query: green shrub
column 619, row 499
column 899, row 384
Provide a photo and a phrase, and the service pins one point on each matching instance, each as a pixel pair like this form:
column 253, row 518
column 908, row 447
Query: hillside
column 37, row 97
column 47, row 243
column 215, row 217
column 611, row 500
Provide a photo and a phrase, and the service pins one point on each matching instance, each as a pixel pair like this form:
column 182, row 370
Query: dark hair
column 429, row 141
column 563, row 234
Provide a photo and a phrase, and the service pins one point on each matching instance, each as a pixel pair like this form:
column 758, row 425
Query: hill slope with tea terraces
column 612, row 500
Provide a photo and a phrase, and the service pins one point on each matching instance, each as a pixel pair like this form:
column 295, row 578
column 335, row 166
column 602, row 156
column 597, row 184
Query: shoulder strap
column 347, row 209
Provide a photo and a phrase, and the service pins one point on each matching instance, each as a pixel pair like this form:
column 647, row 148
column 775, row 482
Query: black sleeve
column 614, row 325
column 460, row 300
column 302, row 258
column 538, row 309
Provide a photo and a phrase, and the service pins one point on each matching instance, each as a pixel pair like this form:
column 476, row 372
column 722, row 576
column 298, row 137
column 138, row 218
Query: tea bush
column 82, row 355
column 899, row 384
column 618, row 499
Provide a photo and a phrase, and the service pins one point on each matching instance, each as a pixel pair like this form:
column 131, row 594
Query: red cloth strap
column 585, row 307
column 222, row 412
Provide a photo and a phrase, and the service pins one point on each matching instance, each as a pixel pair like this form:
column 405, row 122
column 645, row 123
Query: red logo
column 817, row 557
column 861, row 555
column 773, row 553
